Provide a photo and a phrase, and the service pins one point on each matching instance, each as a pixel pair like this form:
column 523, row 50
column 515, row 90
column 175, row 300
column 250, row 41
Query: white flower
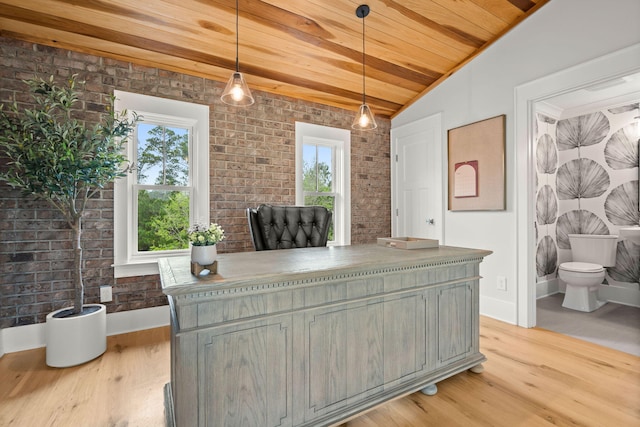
column 205, row 235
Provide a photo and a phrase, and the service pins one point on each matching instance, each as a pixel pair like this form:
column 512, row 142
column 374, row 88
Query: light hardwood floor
column 533, row 377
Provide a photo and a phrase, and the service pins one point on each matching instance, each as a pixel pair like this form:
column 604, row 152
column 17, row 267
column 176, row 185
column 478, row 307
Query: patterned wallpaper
column 587, row 183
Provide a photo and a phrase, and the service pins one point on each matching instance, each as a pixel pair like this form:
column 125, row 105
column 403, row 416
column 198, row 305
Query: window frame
column 127, row 260
column 340, row 142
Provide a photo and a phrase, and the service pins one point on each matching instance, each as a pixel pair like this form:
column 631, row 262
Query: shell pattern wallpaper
column 587, row 183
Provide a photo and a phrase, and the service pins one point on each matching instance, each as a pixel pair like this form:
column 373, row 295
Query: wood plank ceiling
column 306, row 49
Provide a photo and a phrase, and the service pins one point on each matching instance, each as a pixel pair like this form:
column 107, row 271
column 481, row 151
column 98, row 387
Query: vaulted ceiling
column 307, row 49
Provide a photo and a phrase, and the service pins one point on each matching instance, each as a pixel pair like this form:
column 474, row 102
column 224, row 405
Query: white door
column 416, row 195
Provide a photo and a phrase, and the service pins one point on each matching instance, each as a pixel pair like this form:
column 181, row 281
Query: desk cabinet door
column 244, row 375
column 343, row 358
column 356, row 351
column 456, row 312
column 408, row 334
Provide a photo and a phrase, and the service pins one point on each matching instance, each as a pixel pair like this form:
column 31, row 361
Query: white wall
column 562, row 34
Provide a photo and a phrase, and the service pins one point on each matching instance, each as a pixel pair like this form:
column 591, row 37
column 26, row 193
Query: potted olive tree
column 55, row 156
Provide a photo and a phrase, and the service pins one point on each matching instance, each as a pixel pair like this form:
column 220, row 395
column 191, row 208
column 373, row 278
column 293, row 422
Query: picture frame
column 476, row 166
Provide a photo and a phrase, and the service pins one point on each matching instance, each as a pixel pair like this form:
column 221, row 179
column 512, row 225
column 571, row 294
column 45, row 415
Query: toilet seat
column 581, row 267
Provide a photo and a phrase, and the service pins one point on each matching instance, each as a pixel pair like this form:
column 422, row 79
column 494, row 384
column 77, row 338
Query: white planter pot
column 78, row 339
column 204, row 255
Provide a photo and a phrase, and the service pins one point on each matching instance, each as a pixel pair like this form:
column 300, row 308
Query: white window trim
column 195, row 116
column 340, row 139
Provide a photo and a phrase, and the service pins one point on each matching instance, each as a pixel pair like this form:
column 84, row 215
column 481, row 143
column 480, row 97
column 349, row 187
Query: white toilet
column 590, row 254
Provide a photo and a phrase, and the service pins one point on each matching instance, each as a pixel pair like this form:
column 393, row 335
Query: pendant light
column 237, row 92
column 364, row 119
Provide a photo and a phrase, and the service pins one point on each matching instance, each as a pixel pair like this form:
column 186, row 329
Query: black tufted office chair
column 288, row 227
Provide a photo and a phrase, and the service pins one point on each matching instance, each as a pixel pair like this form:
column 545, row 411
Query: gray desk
column 310, row 337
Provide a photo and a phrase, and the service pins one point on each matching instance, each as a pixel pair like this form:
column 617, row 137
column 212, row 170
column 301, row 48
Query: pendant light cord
column 237, row 40
column 363, row 59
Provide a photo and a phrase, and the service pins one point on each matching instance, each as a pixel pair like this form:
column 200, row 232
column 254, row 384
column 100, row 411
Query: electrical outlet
column 106, row 294
column 502, row 283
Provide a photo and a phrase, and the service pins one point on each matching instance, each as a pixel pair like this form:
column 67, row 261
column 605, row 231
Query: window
column 322, row 175
column 168, row 187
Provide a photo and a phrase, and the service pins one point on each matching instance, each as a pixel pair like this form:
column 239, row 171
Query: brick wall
column 251, row 158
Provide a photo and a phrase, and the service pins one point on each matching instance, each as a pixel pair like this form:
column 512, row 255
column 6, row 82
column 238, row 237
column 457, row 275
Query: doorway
column 596, row 126
column 616, row 65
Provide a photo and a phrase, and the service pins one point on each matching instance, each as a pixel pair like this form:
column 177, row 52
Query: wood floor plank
column 123, row 387
column 532, row 377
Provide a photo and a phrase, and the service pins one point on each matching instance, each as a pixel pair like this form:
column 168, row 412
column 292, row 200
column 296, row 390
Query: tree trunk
column 76, row 274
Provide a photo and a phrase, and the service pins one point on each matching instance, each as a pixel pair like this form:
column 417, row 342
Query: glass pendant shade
column 365, row 119
column 237, row 92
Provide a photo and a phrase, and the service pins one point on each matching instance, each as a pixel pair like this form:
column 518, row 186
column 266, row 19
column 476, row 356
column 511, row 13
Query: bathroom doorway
column 609, row 99
column 600, row 71
column 594, row 127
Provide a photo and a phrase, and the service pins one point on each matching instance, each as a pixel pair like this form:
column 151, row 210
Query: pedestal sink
column 631, row 233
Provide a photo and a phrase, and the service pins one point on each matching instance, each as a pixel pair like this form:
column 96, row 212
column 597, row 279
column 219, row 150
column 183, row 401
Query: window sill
column 138, row 269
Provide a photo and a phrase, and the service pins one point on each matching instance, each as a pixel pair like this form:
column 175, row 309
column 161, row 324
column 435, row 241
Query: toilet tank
column 594, row 248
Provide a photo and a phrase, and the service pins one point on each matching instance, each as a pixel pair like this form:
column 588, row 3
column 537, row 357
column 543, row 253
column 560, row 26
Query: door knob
column 431, row 221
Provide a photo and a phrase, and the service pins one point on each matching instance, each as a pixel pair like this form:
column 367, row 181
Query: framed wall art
column 477, row 166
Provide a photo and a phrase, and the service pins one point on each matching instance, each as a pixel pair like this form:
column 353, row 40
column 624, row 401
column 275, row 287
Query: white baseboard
column 28, row 337
column 620, row 295
column 546, row 288
column 137, row 320
column 498, row 309
column 21, row 338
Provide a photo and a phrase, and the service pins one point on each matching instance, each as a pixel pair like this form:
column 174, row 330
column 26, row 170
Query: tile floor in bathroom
column 613, row 325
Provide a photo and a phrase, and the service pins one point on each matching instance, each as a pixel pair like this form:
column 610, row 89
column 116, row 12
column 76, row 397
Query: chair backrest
column 288, row 227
